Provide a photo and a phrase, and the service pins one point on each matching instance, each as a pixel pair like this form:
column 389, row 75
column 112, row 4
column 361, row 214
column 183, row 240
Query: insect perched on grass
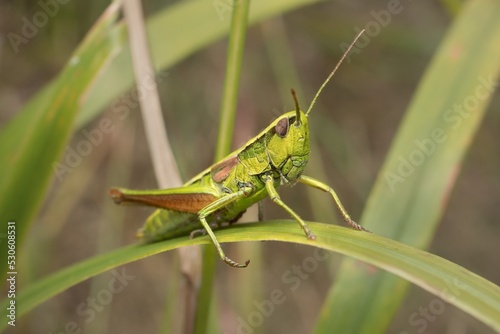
column 221, row 193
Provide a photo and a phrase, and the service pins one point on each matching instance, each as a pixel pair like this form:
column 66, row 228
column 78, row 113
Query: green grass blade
column 234, row 61
column 30, row 146
column 236, row 47
column 469, row 292
column 409, row 198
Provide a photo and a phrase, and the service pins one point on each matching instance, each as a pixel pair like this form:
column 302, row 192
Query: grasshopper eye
column 281, row 127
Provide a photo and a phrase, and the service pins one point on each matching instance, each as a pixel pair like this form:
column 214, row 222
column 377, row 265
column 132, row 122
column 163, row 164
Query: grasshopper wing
column 220, row 171
column 183, row 199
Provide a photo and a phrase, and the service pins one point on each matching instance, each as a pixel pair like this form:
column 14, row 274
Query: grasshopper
column 222, row 192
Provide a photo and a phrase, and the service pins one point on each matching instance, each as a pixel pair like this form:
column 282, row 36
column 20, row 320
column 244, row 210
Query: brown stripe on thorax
column 221, row 170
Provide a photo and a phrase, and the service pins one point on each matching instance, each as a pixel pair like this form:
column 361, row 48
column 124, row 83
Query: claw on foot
column 356, row 226
column 236, row 264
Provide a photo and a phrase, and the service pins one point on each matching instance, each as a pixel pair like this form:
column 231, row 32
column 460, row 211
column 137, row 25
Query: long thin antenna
column 334, row 70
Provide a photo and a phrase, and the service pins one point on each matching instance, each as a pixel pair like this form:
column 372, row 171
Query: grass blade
column 223, row 148
column 475, row 295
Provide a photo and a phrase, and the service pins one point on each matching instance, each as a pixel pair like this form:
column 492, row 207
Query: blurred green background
column 353, row 124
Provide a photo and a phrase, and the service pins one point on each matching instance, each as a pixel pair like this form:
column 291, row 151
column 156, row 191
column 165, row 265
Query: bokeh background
column 353, row 125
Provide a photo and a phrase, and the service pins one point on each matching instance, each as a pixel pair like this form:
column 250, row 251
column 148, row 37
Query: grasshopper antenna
column 297, row 107
column 334, row 70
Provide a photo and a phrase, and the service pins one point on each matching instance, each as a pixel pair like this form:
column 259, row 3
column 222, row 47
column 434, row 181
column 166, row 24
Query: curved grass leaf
column 477, row 296
column 412, row 188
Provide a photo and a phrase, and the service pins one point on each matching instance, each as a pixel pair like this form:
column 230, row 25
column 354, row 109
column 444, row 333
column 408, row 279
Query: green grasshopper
column 222, row 192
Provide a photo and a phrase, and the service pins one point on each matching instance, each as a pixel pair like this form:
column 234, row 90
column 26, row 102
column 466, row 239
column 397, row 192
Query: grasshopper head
column 288, row 145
